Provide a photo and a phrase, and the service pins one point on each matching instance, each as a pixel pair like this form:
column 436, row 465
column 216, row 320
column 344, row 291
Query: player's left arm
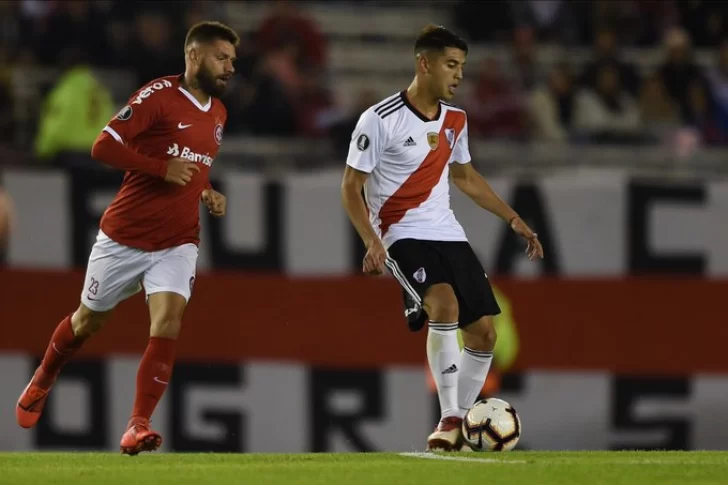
column 472, row 184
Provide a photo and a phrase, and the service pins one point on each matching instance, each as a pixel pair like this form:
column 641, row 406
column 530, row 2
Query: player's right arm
column 365, row 150
column 111, row 146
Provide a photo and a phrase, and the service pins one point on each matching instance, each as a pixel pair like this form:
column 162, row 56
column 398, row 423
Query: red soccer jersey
column 163, row 121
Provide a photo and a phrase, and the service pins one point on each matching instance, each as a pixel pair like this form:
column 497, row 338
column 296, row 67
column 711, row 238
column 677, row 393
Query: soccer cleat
column 139, row 437
column 32, row 401
column 448, row 435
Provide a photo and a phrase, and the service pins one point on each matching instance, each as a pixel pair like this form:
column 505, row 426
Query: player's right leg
column 112, row 275
column 429, row 297
column 66, row 340
column 443, row 356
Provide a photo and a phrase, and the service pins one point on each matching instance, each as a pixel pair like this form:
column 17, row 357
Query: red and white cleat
column 139, row 437
column 448, row 435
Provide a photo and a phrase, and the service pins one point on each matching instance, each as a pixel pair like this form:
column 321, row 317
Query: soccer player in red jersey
column 165, row 139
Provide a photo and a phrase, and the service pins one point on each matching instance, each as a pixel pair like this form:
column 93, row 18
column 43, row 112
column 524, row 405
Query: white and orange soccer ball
column 492, row 425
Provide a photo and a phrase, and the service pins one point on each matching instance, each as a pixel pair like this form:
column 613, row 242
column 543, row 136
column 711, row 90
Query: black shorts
column 419, row 264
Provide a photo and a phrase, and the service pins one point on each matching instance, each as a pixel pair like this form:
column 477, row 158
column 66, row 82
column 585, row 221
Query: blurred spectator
column 313, row 107
column 72, row 22
column 242, row 88
column 636, row 22
column 497, row 108
column 609, row 113
column 718, row 81
column 701, row 115
column 704, row 21
column 342, row 130
column 551, row 20
column 679, row 70
column 287, row 21
column 120, row 45
column 6, row 221
column 480, row 21
column 73, row 114
column 659, row 113
column 154, row 53
column 269, row 102
column 6, row 100
column 621, row 16
column 523, row 70
column 606, row 55
column 552, row 107
column 11, row 26
column 652, row 19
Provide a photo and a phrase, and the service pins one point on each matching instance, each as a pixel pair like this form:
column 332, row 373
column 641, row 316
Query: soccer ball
column 491, row 425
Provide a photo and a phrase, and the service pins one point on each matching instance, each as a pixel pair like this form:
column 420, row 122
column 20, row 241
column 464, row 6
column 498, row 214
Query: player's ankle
column 136, row 419
column 44, row 379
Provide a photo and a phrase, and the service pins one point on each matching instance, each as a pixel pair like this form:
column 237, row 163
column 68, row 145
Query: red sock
column 60, row 349
column 155, row 370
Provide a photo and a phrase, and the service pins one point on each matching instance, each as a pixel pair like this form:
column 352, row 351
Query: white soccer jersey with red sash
column 407, row 157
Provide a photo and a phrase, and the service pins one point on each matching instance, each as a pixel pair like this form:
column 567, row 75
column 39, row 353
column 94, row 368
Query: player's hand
column 534, row 248
column 180, row 171
column 215, row 202
column 374, row 259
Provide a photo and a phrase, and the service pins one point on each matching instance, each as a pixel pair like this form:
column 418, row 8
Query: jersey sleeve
column 368, row 142
column 134, row 118
column 461, row 151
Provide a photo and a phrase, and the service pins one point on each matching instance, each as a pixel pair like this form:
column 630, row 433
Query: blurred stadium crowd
column 602, row 71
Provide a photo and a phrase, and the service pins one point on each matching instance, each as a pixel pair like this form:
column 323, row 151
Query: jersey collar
column 417, row 112
column 206, row 107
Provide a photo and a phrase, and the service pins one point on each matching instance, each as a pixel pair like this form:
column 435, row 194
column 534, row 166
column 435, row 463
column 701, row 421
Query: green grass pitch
column 513, row 468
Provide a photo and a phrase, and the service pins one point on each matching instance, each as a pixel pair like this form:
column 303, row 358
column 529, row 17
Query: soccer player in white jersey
column 403, row 152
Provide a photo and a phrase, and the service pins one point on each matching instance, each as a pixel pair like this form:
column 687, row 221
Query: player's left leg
column 478, row 342
column 155, row 370
column 168, row 284
column 478, row 306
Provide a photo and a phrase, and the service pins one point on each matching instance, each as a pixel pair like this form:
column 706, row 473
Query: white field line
column 433, row 456
column 561, row 461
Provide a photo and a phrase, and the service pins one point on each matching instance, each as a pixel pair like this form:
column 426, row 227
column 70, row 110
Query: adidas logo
column 450, row 370
column 409, row 142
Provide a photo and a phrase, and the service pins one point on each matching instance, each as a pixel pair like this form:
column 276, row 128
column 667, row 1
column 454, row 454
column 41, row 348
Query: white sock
column 443, row 355
column 474, row 366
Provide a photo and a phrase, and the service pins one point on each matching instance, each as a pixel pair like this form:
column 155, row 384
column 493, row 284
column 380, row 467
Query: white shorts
column 115, row 272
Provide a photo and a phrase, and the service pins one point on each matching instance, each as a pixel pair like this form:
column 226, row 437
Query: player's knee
column 166, row 326
column 86, row 322
column 441, row 304
column 490, row 336
column 480, row 335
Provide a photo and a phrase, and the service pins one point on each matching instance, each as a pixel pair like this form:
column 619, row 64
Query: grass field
column 514, row 468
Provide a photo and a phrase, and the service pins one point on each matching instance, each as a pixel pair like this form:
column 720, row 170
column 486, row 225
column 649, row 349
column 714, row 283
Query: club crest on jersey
column 450, row 136
column 125, row 113
column 420, row 275
column 433, row 139
column 218, row 134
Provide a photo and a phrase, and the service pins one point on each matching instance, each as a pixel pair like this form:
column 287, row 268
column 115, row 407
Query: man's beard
column 208, row 83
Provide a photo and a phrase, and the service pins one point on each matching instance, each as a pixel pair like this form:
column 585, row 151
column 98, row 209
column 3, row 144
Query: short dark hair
column 437, row 37
column 210, row 31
